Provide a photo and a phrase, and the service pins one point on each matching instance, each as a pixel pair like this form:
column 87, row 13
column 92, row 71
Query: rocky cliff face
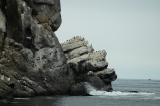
column 88, row 65
column 33, row 62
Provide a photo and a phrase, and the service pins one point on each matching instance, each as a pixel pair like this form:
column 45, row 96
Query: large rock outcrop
column 32, row 61
column 88, row 65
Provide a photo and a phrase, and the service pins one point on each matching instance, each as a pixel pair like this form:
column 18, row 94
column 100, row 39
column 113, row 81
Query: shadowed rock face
column 24, row 17
column 88, row 65
column 32, row 61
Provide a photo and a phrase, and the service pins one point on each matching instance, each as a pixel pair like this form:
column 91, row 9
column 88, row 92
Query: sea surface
column 126, row 93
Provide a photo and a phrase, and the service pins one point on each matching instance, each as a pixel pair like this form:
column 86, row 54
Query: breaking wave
column 92, row 91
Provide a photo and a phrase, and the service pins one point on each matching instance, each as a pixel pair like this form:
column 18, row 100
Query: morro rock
column 33, row 62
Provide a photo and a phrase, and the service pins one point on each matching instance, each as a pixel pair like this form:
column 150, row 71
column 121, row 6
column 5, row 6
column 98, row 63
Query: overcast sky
column 129, row 30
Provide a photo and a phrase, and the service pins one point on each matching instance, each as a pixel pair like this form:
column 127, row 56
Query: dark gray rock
column 32, row 60
column 96, row 82
column 47, row 11
column 88, row 65
column 107, row 75
column 2, row 28
column 2, row 22
column 78, row 89
column 49, row 2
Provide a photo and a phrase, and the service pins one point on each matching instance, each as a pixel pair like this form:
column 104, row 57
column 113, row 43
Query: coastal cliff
column 33, row 62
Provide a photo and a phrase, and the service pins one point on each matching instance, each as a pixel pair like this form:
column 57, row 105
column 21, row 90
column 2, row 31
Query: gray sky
column 129, row 30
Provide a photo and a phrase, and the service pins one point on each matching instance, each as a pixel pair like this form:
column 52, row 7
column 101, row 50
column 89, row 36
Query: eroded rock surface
column 32, row 61
column 88, row 65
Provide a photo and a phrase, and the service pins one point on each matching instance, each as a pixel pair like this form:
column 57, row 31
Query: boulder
column 107, row 75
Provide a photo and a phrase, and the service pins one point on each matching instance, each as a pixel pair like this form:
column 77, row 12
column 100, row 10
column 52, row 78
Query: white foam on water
column 21, row 98
column 117, row 93
column 92, row 91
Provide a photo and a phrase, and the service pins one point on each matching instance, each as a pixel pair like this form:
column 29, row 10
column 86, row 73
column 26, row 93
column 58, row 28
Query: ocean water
column 126, row 93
